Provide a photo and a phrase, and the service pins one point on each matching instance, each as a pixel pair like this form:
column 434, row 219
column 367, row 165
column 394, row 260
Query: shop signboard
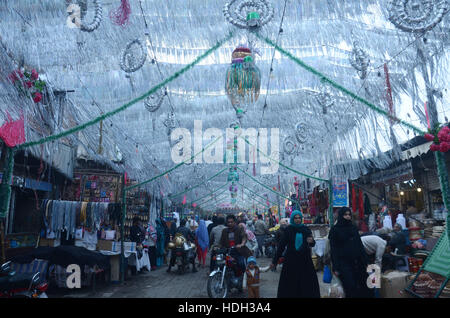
column 401, row 173
column 340, row 194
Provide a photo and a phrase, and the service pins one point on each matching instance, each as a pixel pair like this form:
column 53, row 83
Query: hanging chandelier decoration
column 130, row 61
column 243, row 80
column 417, row 16
column 325, row 99
column 248, row 14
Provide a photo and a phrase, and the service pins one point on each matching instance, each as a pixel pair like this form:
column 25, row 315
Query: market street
column 160, row 284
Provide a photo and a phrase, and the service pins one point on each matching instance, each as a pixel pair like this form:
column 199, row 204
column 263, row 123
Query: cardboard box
column 393, row 284
column 114, row 246
column 49, row 242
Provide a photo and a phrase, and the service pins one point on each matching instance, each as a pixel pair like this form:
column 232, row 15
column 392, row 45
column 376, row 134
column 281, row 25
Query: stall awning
column 416, row 151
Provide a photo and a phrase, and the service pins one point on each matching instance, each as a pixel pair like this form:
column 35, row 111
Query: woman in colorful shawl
column 298, row 277
column 202, row 242
column 251, row 243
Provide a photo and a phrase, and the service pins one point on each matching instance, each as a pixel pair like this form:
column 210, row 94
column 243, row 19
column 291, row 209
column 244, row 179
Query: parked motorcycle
column 13, row 285
column 184, row 252
column 226, row 275
column 270, row 245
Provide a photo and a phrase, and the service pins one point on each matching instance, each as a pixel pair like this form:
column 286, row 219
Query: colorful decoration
column 417, row 16
column 28, row 84
column 243, row 80
column 13, row 132
column 121, row 15
column 248, row 14
column 300, row 132
column 131, row 62
column 97, row 18
column 441, row 139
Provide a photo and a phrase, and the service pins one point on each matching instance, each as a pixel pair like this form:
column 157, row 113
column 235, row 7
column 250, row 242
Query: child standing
column 251, row 278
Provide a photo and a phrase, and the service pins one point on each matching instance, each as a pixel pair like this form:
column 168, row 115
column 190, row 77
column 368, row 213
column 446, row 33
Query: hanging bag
column 327, row 276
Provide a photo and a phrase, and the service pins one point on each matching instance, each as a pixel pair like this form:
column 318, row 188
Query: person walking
column 212, row 225
column 298, row 277
column 348, row 257
column 260, row 232
column 202, row 242
column 251, row 243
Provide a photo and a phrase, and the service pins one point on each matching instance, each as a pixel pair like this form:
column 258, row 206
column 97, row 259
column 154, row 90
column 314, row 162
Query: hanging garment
column 361, row 205
column 353, row 198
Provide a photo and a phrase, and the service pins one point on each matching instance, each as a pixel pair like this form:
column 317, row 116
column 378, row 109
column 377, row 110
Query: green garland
column 127, row 105
column 172, row 169
column 198, row 185
column 277, row 193
column 5, row 186
column 282, row 165
column 443, row 179
column 246, row 188
column 325, row 79
column 199, row 199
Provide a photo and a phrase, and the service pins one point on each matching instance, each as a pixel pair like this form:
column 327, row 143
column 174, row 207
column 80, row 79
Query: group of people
column 350, row 252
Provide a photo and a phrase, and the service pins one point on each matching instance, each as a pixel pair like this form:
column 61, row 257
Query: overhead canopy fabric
column 339, row 131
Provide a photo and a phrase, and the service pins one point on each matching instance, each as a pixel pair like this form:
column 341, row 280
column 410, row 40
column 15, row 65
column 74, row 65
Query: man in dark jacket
column 234, row 236
column 137, row 232
column 212, row 225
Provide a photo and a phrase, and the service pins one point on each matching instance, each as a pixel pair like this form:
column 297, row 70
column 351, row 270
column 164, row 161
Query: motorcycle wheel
column 213, row 287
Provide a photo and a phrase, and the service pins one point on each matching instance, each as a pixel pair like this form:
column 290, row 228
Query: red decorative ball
column 435, row 147
column 429, row 137
column 37, row 97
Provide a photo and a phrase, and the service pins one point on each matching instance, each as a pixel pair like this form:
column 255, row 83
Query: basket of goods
column 446, row 291
column 420, row 286
column 434, row 286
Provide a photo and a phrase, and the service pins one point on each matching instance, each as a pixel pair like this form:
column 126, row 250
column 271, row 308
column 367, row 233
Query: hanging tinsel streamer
column 121, row 15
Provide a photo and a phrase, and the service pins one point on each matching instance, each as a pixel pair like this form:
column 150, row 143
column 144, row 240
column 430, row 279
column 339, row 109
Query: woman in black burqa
column 298, row 277
column 348, row 256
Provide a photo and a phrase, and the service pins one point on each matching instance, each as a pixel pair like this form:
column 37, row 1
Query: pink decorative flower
column 444, row 134
column 34, row 74
column 435, row 147
column 20, row 73
column 444, row 146
column 37, row 97
column 28, row 84
column 429, row 137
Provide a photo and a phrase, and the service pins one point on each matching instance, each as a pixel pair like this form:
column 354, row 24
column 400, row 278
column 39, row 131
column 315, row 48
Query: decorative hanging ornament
column 325, row 99
column 243, row 80
column 170, row 121
column 289, row 146
column 154, row 101
column 359, row 60
column 97, row 18
column 300, row 132
column 417, row 16
column 248, row 14
column 130, row 61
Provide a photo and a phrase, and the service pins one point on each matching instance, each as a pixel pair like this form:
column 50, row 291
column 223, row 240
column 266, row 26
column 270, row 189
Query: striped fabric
column 37, row 265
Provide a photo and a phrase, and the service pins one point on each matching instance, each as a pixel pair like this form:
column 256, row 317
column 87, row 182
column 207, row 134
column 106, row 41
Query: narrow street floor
column 160, row 284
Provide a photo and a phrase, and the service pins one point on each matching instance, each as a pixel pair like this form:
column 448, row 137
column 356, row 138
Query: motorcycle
column 13, row 285
column 183, row 251
column 226, row 275
column 270, row 245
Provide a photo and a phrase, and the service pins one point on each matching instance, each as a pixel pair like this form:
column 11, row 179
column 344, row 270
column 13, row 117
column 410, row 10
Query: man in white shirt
column 208, row 221
column 374, row 244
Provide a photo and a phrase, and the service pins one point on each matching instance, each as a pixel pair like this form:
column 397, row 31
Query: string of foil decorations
column 97, row 17
column 129, row 62
column 121, row 15
column 248, row 14
column 417, row 16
